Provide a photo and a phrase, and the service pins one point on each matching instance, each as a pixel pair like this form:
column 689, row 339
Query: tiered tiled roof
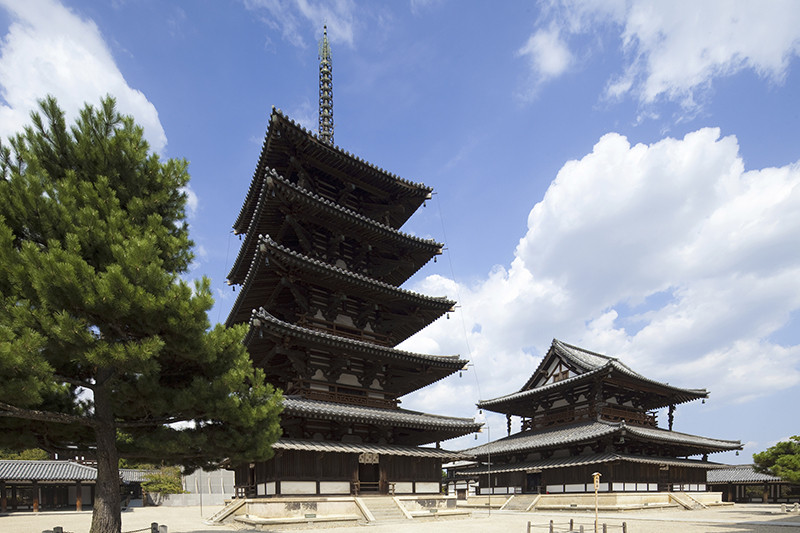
column 589, row 366
column 419, row 309
column 382, row 449
column 284, row 132
column 269, row 217
column 592, row 431
column 582, row 460
column 267, row 328
column 320, row 269
column 370, row 415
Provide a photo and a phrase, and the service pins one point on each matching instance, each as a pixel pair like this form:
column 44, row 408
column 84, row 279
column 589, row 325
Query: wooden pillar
column 765, row 497
column 78, row 496
column 35, row 496
column 3, row 499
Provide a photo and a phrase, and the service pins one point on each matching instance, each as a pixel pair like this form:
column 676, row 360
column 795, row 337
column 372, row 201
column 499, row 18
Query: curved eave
column 379, row 289
column 319, row 410
column 326, row 276
column 322, row 209
column 589, row 432
column 281, row 329
column 387, row 180
column 674, row 437
column 545, row 439
column 377, row 178
column 671, row 395
column 380, row 449
column 419, row 370
column 583, row 460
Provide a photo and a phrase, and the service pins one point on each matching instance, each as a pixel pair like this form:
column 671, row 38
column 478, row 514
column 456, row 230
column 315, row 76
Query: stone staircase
column 383, row 508
column 686, row 501
column 520, row 502
column 226, row 512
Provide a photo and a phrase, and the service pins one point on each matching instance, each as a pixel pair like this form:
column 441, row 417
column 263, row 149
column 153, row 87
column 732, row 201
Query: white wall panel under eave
column 298, row 487
column 403, row 487
column 431, row 487
column 334, row 487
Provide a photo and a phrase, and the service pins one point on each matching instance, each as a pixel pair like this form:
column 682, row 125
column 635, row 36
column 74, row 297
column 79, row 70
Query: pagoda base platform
column 609, row 501
column 288, row 512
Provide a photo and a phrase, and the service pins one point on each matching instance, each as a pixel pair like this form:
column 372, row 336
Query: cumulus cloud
column 49, row 49
column 674, row 50
column 671, row 255
column 294, row 17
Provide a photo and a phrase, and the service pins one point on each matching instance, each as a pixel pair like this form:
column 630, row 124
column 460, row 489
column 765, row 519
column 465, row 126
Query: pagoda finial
column 325, row 89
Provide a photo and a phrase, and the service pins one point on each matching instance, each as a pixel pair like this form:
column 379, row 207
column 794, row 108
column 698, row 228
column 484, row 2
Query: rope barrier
column 573, row 526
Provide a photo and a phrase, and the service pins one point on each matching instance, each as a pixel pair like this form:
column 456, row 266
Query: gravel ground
column 757, row 518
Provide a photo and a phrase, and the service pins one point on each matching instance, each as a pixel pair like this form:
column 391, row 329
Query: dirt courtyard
column 757, row 518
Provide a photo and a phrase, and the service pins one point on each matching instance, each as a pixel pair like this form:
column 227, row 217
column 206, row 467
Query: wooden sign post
column 596, row 477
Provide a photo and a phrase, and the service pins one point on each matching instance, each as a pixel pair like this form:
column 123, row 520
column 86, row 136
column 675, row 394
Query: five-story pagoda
column 320, row 266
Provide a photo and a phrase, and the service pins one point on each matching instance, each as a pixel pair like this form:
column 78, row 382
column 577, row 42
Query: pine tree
column 104, row 348
column 782, row 460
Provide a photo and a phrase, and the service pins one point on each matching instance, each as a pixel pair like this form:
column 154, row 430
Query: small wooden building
column 40, row 485
column 320, row 268
column 742, row 484
column 583, row 412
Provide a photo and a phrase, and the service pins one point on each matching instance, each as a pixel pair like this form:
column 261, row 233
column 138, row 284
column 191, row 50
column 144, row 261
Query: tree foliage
column 31, row 454
column 166, row 480
column 782, row 460
column 104, row 348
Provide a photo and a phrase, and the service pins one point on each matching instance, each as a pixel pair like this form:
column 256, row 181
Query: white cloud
column 548, row 56
column 50, row 50
column 679, row 54
column 293, row 18
column 671, row 256
column 674, row 50
column 418, row 6
column 192, row 202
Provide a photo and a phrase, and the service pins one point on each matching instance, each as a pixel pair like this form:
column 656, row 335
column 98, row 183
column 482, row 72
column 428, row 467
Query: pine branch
column 151, row 422
column 11, row 411
column 76, row 382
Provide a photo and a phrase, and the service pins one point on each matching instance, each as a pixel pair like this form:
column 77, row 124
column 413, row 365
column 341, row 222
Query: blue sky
column 622, row 176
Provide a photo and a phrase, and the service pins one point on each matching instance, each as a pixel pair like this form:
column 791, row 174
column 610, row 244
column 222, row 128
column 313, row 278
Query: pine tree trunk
column 106, row 515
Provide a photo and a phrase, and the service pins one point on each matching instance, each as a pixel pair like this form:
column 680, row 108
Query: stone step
column 520, row 502
column 384, row 509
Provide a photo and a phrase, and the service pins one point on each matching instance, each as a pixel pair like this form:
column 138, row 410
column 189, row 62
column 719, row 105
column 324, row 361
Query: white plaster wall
column 334, row 487
column 298, row 487
column 427, row 487
column 269, row 488
column 403, row 487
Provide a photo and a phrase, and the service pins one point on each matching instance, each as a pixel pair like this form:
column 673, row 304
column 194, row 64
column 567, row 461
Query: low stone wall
column 484, row 502
column 335, row 508
column 423, row 503
column 186, row 500
column 620, row 500
column 707, row 498
column 435, row 507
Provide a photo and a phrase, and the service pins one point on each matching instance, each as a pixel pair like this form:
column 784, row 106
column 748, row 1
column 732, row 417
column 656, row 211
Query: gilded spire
column 325, row 89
